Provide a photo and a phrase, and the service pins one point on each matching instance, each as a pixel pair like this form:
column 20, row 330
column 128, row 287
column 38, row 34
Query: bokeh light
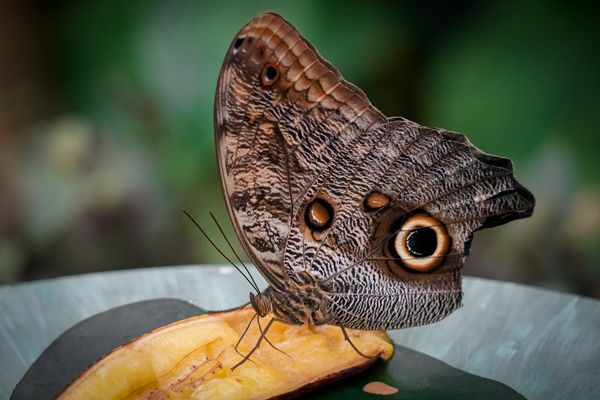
column 106, row 128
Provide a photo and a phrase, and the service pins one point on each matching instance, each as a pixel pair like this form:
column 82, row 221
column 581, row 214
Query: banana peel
column 195, row 358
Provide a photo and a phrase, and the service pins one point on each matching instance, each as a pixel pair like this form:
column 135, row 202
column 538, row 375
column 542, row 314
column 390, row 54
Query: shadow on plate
column 416, row 375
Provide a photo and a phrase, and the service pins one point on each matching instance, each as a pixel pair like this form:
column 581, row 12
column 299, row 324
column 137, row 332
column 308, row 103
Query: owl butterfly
column 353, row 218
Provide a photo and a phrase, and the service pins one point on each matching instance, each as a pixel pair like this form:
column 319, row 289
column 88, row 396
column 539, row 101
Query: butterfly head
column 261, row 303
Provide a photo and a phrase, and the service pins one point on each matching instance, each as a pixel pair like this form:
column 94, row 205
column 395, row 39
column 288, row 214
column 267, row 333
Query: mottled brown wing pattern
column 274, row 141
column 301, row 152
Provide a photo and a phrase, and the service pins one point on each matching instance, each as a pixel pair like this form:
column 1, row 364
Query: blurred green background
column 106, row 126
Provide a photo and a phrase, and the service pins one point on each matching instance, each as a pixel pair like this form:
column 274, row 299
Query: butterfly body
column 298, row 303
column 353, row 218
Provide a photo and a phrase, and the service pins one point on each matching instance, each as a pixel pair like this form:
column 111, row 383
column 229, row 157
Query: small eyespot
column 375, row 201
column 319, row 215
column 269, row 75
column 237, row 44
column 422, row 243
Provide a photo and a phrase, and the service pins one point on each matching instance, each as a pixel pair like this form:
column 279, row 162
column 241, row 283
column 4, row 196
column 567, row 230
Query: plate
column 416, row 375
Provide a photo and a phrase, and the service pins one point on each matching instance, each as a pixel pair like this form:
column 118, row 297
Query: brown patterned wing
column 282, row 114
column 375, row 213
column 412, row 180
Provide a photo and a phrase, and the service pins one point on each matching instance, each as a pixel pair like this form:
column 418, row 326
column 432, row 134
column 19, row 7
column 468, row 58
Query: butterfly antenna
column 234, row 252
column 251, row 282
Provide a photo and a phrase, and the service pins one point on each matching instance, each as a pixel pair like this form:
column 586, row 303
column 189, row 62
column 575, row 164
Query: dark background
column 106, row 122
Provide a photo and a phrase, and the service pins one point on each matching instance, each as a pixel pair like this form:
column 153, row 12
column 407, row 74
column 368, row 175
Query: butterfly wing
column 274, row 134
column 422, row 171
column 320, row 183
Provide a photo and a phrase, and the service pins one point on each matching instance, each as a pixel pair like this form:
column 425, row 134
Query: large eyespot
column 318, row 215
column 422, row 243
column 269, row 75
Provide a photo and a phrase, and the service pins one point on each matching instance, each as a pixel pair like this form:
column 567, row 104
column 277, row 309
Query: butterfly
column 353, row 218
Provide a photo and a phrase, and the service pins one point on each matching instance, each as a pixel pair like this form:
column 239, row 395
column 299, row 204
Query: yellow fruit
column 193, row 359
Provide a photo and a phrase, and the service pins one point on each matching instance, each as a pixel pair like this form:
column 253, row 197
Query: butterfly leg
column 353, row 345
column 244, row 334
column 270, row 343
column 311, row 326
column 260, row 338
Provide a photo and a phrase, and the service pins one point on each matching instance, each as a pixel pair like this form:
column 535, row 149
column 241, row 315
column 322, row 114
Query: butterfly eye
column 319, row 215
column 375, row 201
column 422, row 243
column 269, row 75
